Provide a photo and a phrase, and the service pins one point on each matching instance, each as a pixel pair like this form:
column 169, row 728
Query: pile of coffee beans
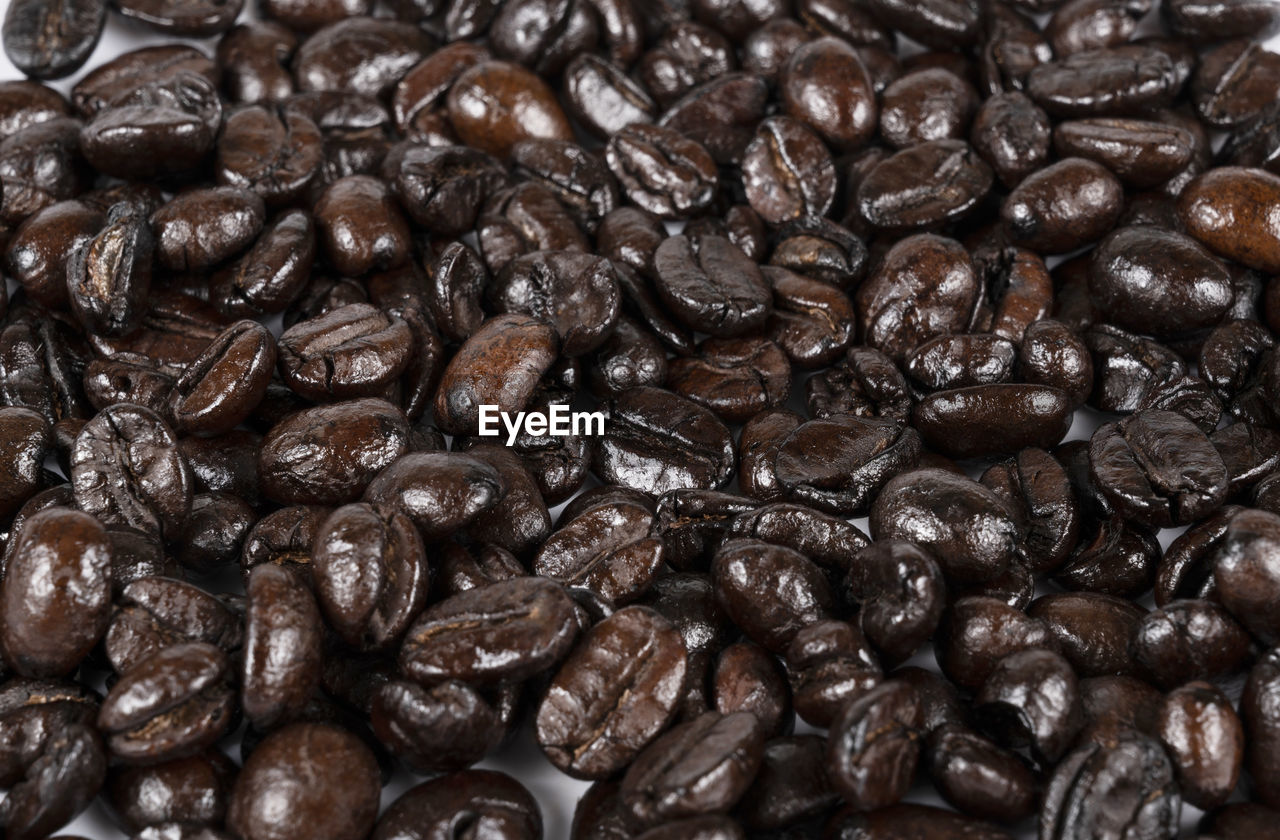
column 808, row 261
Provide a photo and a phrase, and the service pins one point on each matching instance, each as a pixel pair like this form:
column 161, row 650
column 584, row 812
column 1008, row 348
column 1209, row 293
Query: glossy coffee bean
column 874, row 746
column 48, row 633
column 635, row 662
column 52, row 41
column 339, row 803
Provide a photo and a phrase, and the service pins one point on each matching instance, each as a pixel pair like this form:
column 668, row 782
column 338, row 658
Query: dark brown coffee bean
column 175, row 703
column 874, row 746
column 1189, row 640
column 340, row 801
column 656, row 441
column 51, row 41
column 1115, row 81
column 635, row 662
column 1205, row 740
column 750, row 578
column 700, row 767
column 925, row 185
column 1125, row 786
column 495, row 104
column 482, row 802
column 49, row 630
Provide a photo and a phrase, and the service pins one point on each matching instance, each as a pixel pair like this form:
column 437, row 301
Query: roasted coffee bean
column 874, row 746
column 1012, row 134
column 57, row 785
column 157, row 612
column 1092, row 629
column 500, row 364
column 735, row 377
column 924, row 185
column 979, row 777
column 339, row 802
column 901, row 592
column 1052, row 354
column 49, row 630
column 1258, row 711
column 186, row 790
column 929, row 104
column 577, row 293
column 40, row 165
column 1062, row 207
column 1243, row 577
column 661, row 171
column 330, row 454
column 502, row 632
column 787, row 172
column 751, row 575
column 1219, row 209
column 1205, row 740
column 635, row 663
column 192, row 18
column 51, row 41
column 829, row 664
column 1188, row 640
column 1031, row 699
column 978, row 631
column 1114, row 81
column 975, row 540
column 656, row 441
column 700, row 767
column 39, row 250
column 484, row 803
column 1158, row 468
column 253, row 57
column 495, row 104
column 992, row 419
column 838, row 464
column 176, row 702
column 1124, row 786
column 609, row 548
column 127, row 471
column 202, row 228
column 440, row 491
column 747, row 678
column 283, row 646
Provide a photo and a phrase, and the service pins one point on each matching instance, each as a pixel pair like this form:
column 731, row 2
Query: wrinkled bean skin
column 330, row 454
column 754, row 603
column 656, row 441
column 1131, row 462
column 974, row 546
column 874, row 746
column 502, row 632
column 1128, row 782
column 635, row 662
column 126, row 470
column 924, row 269
column 175, row 703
